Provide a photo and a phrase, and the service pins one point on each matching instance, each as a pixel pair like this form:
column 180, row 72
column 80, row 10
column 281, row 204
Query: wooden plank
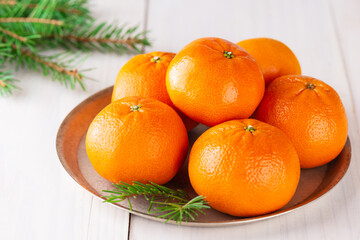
column 107, row 222
column 39, row 199
column 346, row 20
column 307, row 27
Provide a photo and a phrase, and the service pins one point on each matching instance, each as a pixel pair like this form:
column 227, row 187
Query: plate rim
column 239, row 221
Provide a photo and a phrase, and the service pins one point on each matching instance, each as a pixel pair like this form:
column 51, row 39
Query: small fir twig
column 66, row 8
column 60, row 9
column 31, row 20
column 102, row 37
column 127, row 41
column 6, row 83
column 172, row 204
column 74, row 73
column 8, row 2
column 57, row 65
column 12, row 34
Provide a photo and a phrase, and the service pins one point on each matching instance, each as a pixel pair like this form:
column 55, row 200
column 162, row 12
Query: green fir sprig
column 172, row 204
column 28, row 27
column 7, row 82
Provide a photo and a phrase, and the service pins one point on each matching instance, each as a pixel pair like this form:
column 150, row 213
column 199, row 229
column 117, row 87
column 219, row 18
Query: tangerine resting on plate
column 274, row 58
column 144, row 75
column 212, row 80
column 244, row 168
column 137, row 139
column 311, row 113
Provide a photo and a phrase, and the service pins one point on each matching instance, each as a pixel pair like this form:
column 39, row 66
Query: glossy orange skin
column 145, row 145
column 274, row 58
column 142, row 76
column 210, row 88
column 314, row 119
column 244, row 173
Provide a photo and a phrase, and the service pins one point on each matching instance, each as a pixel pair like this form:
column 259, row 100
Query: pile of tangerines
column 266, row 122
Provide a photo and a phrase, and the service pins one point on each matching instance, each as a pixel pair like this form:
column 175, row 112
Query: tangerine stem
column 155, row 59
column 250, row 128
column 135, row 108
column 228, row 54
column 310, row 86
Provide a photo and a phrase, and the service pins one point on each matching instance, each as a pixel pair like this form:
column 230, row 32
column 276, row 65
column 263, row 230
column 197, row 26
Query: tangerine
column 274, row 58
column 244, row 167
column 311, row 113
column 212, row 80
column 137, row 139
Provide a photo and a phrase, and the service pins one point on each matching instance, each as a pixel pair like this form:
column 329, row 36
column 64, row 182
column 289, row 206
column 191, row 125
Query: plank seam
column 146, row 16
column 129, row 226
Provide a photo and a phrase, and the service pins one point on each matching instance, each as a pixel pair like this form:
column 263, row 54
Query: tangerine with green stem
column 244, row 168
column 137, row 139
column 311, row 113
column 212, row 80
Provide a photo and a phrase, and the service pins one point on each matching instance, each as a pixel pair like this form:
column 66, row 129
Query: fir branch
column 74, row 9
column 4, row 51
column 30, row 26
column 31, row 20
column 127, row 41
column 6, row 83
column 43, row 19
column 12, row 34
column 59, row 70
column 60, row 9
column 50, row 64
column 175, row 205
column 101, row 37
column 8, row 2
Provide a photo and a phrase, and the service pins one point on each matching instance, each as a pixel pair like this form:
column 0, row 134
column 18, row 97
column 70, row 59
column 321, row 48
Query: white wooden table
column 39, row 200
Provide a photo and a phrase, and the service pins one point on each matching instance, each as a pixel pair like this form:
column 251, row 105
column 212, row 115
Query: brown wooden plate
column 70, row 144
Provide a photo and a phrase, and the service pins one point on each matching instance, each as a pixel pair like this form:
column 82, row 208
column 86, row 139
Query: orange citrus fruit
column 137, row 139
column 311, row 113
column 274, row 58
column 144, row 76
column 212, row 80
column 244, row 168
